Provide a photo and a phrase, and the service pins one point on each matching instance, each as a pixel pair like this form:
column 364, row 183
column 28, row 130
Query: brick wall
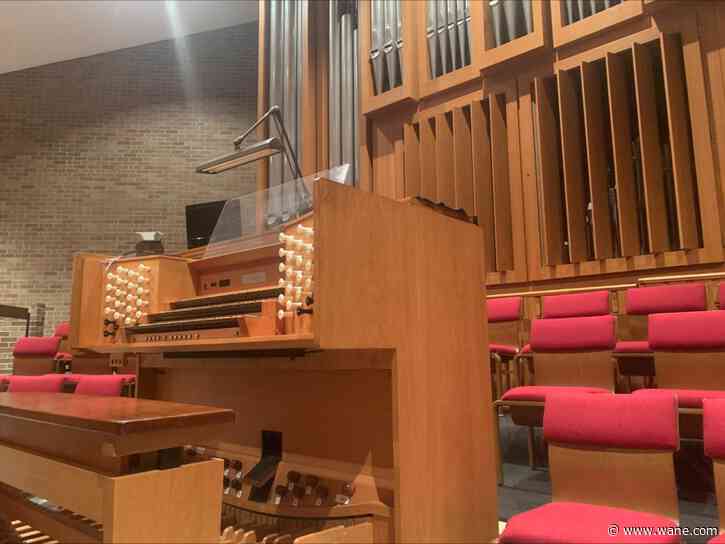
column 94, row 149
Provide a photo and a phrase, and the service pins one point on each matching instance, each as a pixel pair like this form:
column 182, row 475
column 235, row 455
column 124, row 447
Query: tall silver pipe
column 462, row 32
column 528, row 16
column 442, row 38
column 511, row 15
column 496, row 11
column 346, row 90
column 432, row 37
column 391, row 29
column 377, row 24
column 453, row 34
column 399, row 41
column 356, row 106
column 334, row 85
column 275, row 23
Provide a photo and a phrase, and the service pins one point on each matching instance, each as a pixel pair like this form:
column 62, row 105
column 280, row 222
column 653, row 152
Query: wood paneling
column 621, row 127
column 428, row 188
column 412, row 160
column 573, row 154
column 651, row 149
column 500, row 182
column 445, row 164
column 463, row 160
column 483, row 179
column 596, row 123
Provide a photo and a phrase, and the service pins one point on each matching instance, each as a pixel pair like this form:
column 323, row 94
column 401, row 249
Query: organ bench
column 108, row 469
column 345, row 330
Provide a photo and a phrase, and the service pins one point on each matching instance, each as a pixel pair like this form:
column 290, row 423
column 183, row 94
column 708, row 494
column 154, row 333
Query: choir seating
column 689, row 350
column 35, row 354
column 633, row 353
column 81, row 384
column 571, row 354
column 505, row 331
column 714, row 436
column 586, row 304
column 611, row 463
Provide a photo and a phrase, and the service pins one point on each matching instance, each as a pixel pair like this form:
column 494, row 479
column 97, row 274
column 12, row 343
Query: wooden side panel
column 483, row 179
column 176, row 505
column 463, row 160
column 411, row 141
column 573, row 153
column 364, row 238
column 596, row 125
column 428, row 160
column 501, row 183
column 651, row 148
column 445, row 173
column 679, row 125
column 86, row 318
column 622, row 154
column 552, row 198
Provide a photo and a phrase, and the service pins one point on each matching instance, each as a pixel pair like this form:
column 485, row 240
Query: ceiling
column 38, row 32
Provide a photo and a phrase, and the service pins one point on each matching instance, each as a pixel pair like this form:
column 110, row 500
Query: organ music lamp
column 258, row 150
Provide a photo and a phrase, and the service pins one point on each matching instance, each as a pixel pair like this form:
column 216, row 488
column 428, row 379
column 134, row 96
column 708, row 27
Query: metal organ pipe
column 447, row 34
column 343, row 84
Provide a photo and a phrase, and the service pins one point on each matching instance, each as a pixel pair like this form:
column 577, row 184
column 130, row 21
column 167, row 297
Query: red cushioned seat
column 36, row 346
column 632, row 346
column 567, row 522
column 612, row 421
column 681, row 297
column 717, row 540
column 713, row 427
column 108, row 385
column 48, row 383
column 686, row 398
column 575, row 305
column 526, row 348
column 503, row 309
column 538, row 393
column 503, row 349
column 63, row 356
column 573, row 334
column 689, row 331
column 63, row 329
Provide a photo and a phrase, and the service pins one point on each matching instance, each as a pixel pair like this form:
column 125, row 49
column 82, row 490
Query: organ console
column 342, row 330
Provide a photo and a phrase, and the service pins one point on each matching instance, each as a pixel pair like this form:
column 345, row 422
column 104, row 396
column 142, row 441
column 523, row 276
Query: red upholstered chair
column 48, row 383
column 714, row 436
column 689, row 359
column 633, row 353
column 586, row 304
column 505, row 332
column 111, row 385
column 570, row 355
column 35, row 355
column 611, row 463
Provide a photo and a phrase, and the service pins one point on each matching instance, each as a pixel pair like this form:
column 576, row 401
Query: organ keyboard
column 332, row 327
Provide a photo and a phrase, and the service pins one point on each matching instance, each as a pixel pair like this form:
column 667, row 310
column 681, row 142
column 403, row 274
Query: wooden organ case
column 347, row 340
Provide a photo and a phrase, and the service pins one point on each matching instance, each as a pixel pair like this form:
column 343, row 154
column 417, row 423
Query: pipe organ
column 321, row 328
column 585, row 137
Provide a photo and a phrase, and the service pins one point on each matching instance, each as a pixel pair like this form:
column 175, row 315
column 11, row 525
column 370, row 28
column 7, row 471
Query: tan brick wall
column 94, row 149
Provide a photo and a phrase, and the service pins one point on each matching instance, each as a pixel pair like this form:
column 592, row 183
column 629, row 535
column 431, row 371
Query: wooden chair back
column 613, row 450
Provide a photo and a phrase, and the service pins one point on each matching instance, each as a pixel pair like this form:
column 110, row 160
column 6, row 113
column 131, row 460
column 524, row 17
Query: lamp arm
column 238, row 141
column 289, row 153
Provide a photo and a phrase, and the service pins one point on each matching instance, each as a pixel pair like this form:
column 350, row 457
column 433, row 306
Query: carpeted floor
column 524, row 489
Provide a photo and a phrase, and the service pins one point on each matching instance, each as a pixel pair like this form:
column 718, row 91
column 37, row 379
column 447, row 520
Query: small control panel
column 127, row 295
